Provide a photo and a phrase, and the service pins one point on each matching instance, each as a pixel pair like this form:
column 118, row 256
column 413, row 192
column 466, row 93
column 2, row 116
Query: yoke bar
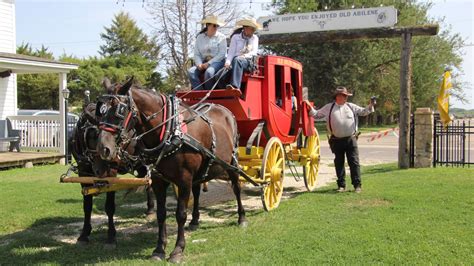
column 107, row 180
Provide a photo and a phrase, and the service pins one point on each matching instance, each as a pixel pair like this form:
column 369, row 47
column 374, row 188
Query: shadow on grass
column 52, row 240
column 327, row 190
column 68, row 201
column 378, row 169
column 41, row 244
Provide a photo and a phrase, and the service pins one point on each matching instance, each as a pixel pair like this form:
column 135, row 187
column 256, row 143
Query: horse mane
column 89, row 113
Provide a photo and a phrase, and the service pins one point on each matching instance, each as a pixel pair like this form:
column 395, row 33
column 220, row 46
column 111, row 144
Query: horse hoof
column 193, row 227
column 110, row 246
column 82, row 243
column 175, row 258
column 158, row 256
column 243, row 224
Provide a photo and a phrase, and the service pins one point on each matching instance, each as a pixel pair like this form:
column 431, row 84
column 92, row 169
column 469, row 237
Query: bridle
column 120, row 122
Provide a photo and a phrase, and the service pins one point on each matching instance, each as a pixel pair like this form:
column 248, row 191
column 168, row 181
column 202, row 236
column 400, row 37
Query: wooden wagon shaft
column 93, row 190
column 108, row 180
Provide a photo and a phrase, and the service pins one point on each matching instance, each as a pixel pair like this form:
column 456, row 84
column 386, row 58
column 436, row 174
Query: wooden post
column 405, row 102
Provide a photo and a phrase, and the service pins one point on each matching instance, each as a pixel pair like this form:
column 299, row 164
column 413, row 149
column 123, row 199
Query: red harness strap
column 108, row 129
column 127, row 120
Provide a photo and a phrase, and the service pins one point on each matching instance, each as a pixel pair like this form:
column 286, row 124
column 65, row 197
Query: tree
column 37, row 91
column 372, row 67
column 124, row 37
column 177, row 23
column 128, row 51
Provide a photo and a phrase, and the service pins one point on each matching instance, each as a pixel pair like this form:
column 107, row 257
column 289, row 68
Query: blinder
column 121, row 118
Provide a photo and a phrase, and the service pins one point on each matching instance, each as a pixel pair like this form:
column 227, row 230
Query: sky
column 74, row 26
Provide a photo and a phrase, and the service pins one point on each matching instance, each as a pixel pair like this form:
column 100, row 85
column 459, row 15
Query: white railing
column 41, row 132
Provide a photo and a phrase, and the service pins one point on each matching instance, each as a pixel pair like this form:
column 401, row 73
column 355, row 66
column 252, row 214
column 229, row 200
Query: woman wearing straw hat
column 209, row 53
column 243, row 46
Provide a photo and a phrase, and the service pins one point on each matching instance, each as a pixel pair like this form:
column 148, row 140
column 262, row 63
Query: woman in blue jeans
column 243, row 47
column 209, row 54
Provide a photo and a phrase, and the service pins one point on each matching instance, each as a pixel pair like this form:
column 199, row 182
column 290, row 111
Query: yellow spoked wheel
column 272, row 171
column 312, row 152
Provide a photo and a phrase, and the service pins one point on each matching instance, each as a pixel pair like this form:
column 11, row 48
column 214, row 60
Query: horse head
column 84, row 144
column 121, row 119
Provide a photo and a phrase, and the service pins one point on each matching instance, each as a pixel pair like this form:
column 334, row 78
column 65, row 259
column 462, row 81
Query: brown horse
column 83, row 144
column 186, row 146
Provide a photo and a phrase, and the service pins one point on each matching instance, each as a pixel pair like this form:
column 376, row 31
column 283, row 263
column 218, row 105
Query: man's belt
column 356, row 135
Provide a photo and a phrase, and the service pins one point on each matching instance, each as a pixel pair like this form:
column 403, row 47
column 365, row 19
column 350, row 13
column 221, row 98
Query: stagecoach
column 250, row 134
column 273, row 132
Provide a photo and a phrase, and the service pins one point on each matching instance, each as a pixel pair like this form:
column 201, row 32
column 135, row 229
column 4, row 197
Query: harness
column 173, row 134
column 178, row 138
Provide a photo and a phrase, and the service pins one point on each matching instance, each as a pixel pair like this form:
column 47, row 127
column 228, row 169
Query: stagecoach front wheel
column 273, row 171
column 312, row 152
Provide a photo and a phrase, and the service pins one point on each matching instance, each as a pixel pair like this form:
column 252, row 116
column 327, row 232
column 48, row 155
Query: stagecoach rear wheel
column 273, row 172
column 312, row 152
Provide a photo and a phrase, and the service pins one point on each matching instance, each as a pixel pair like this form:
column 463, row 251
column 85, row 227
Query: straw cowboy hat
column 250, row 22
column 212, row 19
column 341, row 90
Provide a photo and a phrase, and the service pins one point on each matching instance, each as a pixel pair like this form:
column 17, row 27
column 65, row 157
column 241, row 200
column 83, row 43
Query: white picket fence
column 41, row 132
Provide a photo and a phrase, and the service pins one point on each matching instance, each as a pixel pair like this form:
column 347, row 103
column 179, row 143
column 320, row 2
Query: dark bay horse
column 83, row 148
column 186, row 146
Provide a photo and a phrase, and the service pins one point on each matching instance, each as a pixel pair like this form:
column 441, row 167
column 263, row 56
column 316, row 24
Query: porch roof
column 24, row 64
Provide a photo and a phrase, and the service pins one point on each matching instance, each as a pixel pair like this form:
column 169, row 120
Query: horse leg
column 183, row 197
column 237, row 191
column 150, row 201
column 111, row 242
column 86, row 228
column 194, row 224
column 159, row 188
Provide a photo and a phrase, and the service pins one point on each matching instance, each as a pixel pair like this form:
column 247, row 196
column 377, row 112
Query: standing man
column 341, row 123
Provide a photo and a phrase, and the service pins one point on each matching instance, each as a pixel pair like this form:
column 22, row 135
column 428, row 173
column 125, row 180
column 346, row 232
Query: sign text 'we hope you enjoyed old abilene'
column 376, row 17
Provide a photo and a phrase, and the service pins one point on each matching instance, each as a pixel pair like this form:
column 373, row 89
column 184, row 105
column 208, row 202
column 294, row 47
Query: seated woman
column 243, row 46
column 209, row 54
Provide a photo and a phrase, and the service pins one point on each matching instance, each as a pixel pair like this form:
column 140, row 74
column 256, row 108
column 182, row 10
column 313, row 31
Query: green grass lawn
column 416, row 216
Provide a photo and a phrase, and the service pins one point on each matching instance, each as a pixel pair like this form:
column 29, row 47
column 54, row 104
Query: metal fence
column 412, row 141
column 453, row 146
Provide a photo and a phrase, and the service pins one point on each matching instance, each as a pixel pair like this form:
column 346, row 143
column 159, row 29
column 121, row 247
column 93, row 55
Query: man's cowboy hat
column 250, row 22
column 211, row 19
column 342, row 90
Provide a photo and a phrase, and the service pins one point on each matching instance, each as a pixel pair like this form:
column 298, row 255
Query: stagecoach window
column 279, row 85
column 295, row 81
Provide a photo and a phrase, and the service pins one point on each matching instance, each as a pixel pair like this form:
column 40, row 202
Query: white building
column 12, row 64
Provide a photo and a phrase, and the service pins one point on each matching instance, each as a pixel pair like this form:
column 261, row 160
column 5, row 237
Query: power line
column 57, row 43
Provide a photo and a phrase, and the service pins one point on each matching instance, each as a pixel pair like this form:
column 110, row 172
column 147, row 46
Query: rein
column 191, row 107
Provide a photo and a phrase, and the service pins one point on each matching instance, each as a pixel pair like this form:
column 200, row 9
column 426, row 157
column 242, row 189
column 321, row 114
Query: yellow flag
column 443, row 99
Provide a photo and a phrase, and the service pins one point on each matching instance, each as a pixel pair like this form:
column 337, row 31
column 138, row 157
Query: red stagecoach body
column 265, row 96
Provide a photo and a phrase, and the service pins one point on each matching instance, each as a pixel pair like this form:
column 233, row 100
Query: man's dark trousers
column 346, row 146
